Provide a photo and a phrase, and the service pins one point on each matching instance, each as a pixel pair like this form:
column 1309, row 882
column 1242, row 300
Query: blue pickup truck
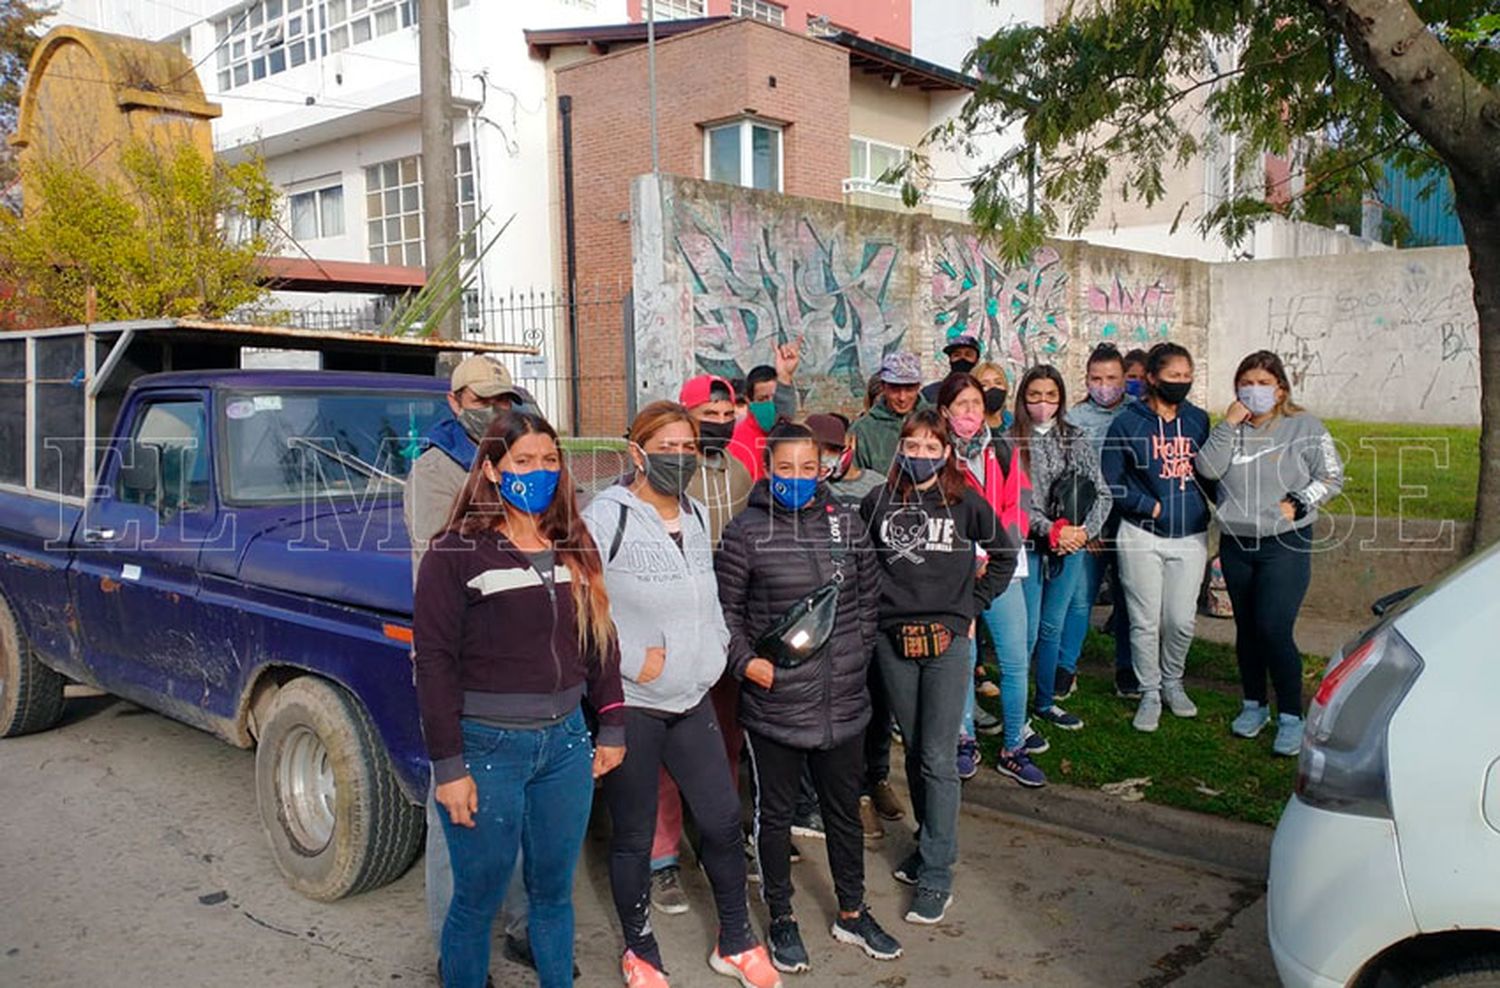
column 226, row 546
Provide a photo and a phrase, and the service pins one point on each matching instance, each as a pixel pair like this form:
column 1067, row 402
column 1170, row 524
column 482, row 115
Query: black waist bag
column 803, row 630
column 1072, row 496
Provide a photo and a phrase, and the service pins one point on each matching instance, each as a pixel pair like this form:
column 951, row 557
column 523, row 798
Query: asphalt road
column 130, row 854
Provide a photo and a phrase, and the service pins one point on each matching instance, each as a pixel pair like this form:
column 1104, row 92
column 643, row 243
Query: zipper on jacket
column 827, row 703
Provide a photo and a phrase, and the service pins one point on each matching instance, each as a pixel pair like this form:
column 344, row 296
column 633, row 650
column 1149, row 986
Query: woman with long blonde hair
column 511, row 754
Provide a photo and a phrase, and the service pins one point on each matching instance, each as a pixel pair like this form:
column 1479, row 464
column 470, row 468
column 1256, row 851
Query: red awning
column 305, row 274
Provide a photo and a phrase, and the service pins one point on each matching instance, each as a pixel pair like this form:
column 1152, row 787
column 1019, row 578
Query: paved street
column 132, row 856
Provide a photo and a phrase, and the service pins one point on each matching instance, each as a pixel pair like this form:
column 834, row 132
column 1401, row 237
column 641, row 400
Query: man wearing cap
column 722, row 482
column 478, row 390
column 877, row 431
column 772, row 395
column 847, row 483
column 963, row 356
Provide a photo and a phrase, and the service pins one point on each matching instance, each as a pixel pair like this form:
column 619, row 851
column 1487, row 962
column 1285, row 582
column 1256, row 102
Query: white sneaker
column 1178, row 701
column 1148, row 714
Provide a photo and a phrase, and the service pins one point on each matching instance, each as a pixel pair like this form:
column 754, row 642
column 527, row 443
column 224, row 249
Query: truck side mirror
column 140, row 475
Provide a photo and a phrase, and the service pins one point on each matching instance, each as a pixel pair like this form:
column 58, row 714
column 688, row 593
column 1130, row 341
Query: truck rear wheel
column 31, row 694
column 337, row 821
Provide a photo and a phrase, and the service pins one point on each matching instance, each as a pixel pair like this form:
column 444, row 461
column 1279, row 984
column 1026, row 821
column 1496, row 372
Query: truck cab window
column 167, row 464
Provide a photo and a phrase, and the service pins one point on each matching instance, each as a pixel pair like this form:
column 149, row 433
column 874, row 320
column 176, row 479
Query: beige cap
column 483, row 376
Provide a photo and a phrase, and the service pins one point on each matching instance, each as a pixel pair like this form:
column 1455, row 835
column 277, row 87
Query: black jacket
column 927, row 558
column 768, row 559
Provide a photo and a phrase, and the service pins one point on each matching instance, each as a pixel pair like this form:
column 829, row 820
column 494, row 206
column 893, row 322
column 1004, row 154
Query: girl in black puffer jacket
column 791, row 539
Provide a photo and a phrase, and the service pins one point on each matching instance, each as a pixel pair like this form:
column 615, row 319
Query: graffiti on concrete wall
column 759, row 280
column 1416, row 335
column 1019, row 312
column 1130, row 312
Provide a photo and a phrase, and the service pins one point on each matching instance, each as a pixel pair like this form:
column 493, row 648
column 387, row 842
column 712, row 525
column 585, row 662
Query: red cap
column 699, row 390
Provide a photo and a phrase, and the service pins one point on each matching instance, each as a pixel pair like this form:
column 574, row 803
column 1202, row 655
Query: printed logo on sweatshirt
column 1241, row 458
column 911, row 531
column 1176, row 456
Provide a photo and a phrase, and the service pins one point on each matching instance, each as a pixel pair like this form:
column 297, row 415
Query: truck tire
column 337, row 821
column 31, row 694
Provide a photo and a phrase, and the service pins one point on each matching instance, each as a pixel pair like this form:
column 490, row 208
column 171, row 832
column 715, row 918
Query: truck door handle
column 98, row 535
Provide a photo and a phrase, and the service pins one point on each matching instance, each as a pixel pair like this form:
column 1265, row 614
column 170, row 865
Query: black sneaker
column 793, row 855
column 787, row 952
column 929, row 906
column 1126, row 686
column 865, row 933
column 1059, row 718
column 517, row 950
column 1032, row 740
column 906, row 871
column 1065, row 684
column 810, row 826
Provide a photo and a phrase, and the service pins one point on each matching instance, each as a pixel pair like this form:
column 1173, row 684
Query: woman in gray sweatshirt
column 659, row 569
column 1275, row 464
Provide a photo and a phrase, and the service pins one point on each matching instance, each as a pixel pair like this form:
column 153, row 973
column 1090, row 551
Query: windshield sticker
column 268, row 403
column 241, row 409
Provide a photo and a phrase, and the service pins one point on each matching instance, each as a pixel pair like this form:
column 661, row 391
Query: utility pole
column 439, row 183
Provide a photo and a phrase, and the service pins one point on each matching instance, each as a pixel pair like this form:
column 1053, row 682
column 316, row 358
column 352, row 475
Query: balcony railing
column 885, row 190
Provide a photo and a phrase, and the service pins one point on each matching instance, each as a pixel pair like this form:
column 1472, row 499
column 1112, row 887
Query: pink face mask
column 1041, row 411
column 966, row 426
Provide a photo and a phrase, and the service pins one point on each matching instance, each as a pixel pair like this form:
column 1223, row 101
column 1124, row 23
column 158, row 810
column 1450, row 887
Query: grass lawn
column 1383, row 462
column 1192, row 764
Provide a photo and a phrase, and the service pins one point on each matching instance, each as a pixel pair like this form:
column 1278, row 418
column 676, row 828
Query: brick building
column 739, row 101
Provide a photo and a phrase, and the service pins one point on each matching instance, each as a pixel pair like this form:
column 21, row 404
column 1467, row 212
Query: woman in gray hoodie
column 1275, row 464
column 659, row 570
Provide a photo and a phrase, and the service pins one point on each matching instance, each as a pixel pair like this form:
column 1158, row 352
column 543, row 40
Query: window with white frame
column 869, row 160
column 268, row 37
column 758, row 10
column 674, row 10
column 317, row 212
column 745, row 152
column 393, row 208
column 353, row 22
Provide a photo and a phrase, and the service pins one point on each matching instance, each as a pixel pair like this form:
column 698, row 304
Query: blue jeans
column 1057, row 592
column 1094, row 568
column 535, row 791
column 438, row 868
column 1010, row 630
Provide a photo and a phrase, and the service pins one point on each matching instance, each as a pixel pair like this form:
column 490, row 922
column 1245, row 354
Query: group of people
column 793, row 591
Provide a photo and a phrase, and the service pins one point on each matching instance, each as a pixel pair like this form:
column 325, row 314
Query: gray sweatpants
column 1161, row 577
column 439, row 873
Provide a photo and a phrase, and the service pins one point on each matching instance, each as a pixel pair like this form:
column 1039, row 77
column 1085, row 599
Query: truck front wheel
column 31, row 694
column 337, row 821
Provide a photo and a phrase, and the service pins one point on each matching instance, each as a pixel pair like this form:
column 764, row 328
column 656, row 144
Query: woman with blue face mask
column 659, row 570
column 792, row 540
column 926, row 523
column 1275, row 465
column 510, row 751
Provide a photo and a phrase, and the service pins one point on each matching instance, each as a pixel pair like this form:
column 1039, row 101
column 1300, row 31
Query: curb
column 1229, row 847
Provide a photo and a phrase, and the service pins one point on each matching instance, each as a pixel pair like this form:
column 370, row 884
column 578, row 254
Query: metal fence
column 533, row 317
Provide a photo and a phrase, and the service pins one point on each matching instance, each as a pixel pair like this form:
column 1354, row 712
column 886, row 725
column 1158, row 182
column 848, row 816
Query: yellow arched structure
column 89, row 94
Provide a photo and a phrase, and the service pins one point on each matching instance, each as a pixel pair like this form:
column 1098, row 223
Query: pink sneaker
column 641, row 973
column 752, row 967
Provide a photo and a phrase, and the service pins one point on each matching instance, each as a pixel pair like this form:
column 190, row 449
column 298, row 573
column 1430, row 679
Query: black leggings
column 778, row 780
column 684, row 743
column 1267, row 579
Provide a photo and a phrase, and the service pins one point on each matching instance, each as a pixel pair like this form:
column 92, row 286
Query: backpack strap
column 614, row 545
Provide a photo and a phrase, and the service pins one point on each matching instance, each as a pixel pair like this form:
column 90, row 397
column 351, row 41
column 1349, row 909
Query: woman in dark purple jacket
column 510, row 751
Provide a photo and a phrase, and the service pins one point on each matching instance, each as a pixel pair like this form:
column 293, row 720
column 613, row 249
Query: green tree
column 19, row 32
column 180, row 235
column 1115, row 92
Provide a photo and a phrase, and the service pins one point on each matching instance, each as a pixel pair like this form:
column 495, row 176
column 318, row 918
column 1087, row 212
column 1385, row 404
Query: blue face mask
column 1135, row 387
column 793, row 493
column 531, row 492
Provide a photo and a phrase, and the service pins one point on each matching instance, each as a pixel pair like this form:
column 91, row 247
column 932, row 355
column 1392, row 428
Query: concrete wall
column 1384, row 336
column 721, row 273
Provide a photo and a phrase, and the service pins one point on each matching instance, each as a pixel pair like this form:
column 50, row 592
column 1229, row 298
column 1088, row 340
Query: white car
column 1385, row 869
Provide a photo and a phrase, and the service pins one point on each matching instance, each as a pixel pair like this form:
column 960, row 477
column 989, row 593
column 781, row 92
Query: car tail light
column 1343, row 762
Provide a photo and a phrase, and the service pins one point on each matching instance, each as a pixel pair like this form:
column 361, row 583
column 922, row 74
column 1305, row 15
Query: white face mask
column 1259, row 398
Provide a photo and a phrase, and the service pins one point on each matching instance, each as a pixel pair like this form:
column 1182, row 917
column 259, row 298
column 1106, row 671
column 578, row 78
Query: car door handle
column 97, row 535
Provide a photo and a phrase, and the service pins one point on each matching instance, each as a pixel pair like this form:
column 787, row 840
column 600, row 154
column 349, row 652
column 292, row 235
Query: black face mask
column 994, row 400
column 961, row 366
column 713, row 437
column 670, row 473
column 1173, row 392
